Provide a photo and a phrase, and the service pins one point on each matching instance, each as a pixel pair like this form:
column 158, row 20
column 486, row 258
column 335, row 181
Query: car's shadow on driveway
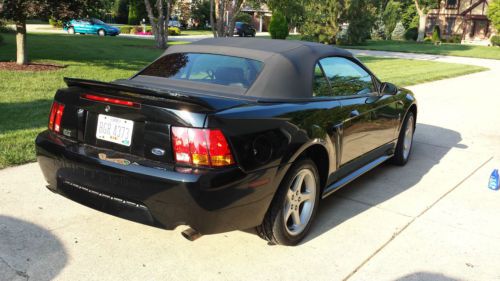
column 385, row 181
column 29, row 251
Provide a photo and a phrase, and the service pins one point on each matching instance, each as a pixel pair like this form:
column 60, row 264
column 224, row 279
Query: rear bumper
column 153, row 193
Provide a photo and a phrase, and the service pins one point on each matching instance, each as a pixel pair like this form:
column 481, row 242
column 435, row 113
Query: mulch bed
column 13, row 66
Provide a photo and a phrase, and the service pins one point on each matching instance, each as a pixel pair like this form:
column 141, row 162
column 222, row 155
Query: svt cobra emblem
column 107, row 108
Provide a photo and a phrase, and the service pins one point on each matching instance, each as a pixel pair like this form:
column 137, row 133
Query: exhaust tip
column 191, row 234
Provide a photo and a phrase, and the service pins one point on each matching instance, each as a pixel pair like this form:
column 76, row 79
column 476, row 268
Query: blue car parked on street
column 90, row 26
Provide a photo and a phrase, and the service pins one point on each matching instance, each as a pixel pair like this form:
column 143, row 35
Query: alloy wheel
column 299, row 202
column 408, row 137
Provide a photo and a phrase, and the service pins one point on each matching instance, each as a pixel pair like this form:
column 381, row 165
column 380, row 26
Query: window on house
column 450, row 4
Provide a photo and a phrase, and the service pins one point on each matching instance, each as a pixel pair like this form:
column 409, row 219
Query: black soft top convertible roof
column 288, row 65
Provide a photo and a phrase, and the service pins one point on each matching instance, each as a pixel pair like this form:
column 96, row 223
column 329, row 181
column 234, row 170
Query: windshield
column 206, row 68
column 96, row 21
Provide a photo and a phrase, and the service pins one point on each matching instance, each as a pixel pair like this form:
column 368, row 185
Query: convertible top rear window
column 206, row 68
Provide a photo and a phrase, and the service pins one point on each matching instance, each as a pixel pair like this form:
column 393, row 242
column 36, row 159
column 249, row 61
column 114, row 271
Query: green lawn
column 25, row 97
column 447, row 49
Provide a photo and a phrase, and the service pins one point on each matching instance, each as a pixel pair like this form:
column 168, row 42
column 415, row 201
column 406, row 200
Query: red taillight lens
column 201, row 147
column 56, row 113
column 110, row 100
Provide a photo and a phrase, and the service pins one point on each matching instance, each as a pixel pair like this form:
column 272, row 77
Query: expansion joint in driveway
column 396, row 234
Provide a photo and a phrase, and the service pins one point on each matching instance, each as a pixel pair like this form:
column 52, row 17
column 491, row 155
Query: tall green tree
column 19, row 11
column 321, row 20
column 360, row 15
column 292, row 10
column 392, row 14
column 494, row 14
column 120, row 11
column 200, row 12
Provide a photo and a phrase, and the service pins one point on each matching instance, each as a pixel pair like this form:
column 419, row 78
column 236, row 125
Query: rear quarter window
column 206, row 68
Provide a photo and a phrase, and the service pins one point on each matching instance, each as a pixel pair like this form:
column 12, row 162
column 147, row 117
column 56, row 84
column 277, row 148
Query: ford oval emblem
column 158, row 151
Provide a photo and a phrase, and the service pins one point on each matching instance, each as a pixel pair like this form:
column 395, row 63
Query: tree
column 278, row 27
column 159, row 20
column 244, row 17
column 200, row 13
column 399, row 32
column 378, row 30
column 423, row 7
column 494, row 14
column 359, row 14
column 392, row 14
column 224, row 19
column 321, row 22
column 20, row 10
column 120, row 11
column 293, row 10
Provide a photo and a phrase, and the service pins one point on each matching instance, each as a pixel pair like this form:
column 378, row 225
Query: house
column 462, row 19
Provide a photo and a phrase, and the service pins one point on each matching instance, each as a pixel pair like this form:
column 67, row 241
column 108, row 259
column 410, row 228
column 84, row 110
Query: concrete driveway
column 434, row 219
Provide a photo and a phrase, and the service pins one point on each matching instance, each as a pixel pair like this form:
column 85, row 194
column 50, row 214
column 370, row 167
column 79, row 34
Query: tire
column 71, row 30
column 101, row 32
column 291, row 204
column 241, row 34
column 405, row 141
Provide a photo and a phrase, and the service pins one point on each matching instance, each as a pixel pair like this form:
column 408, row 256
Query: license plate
column 114, row 129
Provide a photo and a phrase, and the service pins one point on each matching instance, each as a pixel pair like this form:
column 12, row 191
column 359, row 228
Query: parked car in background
column 174, row 23
column 243, row 29
column 90, row 26
column 226, row 134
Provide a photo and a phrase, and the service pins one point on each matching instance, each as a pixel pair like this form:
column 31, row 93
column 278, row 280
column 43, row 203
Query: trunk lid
column 134, row 119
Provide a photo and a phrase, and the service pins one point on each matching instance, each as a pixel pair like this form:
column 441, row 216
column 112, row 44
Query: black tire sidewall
column 399, row 158
column 279, row 224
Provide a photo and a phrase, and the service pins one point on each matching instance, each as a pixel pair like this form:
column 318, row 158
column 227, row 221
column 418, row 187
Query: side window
column 346, row 77
column 321, row 87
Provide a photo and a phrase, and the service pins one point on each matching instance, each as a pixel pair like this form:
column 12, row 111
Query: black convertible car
column 226, row 134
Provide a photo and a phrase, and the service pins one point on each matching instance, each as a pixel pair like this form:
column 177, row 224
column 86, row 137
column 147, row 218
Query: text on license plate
column 114, row 129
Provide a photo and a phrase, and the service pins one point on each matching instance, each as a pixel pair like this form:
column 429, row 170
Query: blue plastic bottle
column 494, row 183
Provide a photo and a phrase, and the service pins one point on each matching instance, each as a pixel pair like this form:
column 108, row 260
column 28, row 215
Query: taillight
column 201, row 147
column 56, row 113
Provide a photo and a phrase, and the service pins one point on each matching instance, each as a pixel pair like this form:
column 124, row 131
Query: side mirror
column 387, row 88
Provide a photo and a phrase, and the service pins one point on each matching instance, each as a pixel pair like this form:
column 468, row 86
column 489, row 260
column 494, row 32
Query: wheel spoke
column 298, row 182
column 288, row 212
column 306, row 196
column 296, row 217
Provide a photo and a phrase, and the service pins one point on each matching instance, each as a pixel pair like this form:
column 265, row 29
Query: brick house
column 462, row 18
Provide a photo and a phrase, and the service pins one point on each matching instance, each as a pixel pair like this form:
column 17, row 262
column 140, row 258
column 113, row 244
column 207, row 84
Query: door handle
column 354, row 113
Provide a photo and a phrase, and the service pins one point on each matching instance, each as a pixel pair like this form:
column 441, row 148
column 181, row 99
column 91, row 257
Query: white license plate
column 114, row 129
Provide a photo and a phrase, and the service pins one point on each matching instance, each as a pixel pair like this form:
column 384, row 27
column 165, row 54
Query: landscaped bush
column 495, row 40
column 436, row 34
column 411, row 34
column 56, row 23
column 399, row 32
column 175, row 31
column 278, row 27
column 136, row 29
column 125, row 29
column 454, row 39
column 428, row 39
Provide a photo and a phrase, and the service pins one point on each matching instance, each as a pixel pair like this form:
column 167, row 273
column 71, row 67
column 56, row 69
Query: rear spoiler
column 172, row 96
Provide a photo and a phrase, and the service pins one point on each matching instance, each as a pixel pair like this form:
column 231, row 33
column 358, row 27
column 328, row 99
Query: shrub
column 427, row 39
column 56, row 23
column 136, row 29
column 125, row 29
column 495, row 40
column 175, row 31
column 278, row 27
column 411, row 34
column 454, row 39
column 436, row 34
column 399, row 32
column 378, row 31
column 494, row 13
